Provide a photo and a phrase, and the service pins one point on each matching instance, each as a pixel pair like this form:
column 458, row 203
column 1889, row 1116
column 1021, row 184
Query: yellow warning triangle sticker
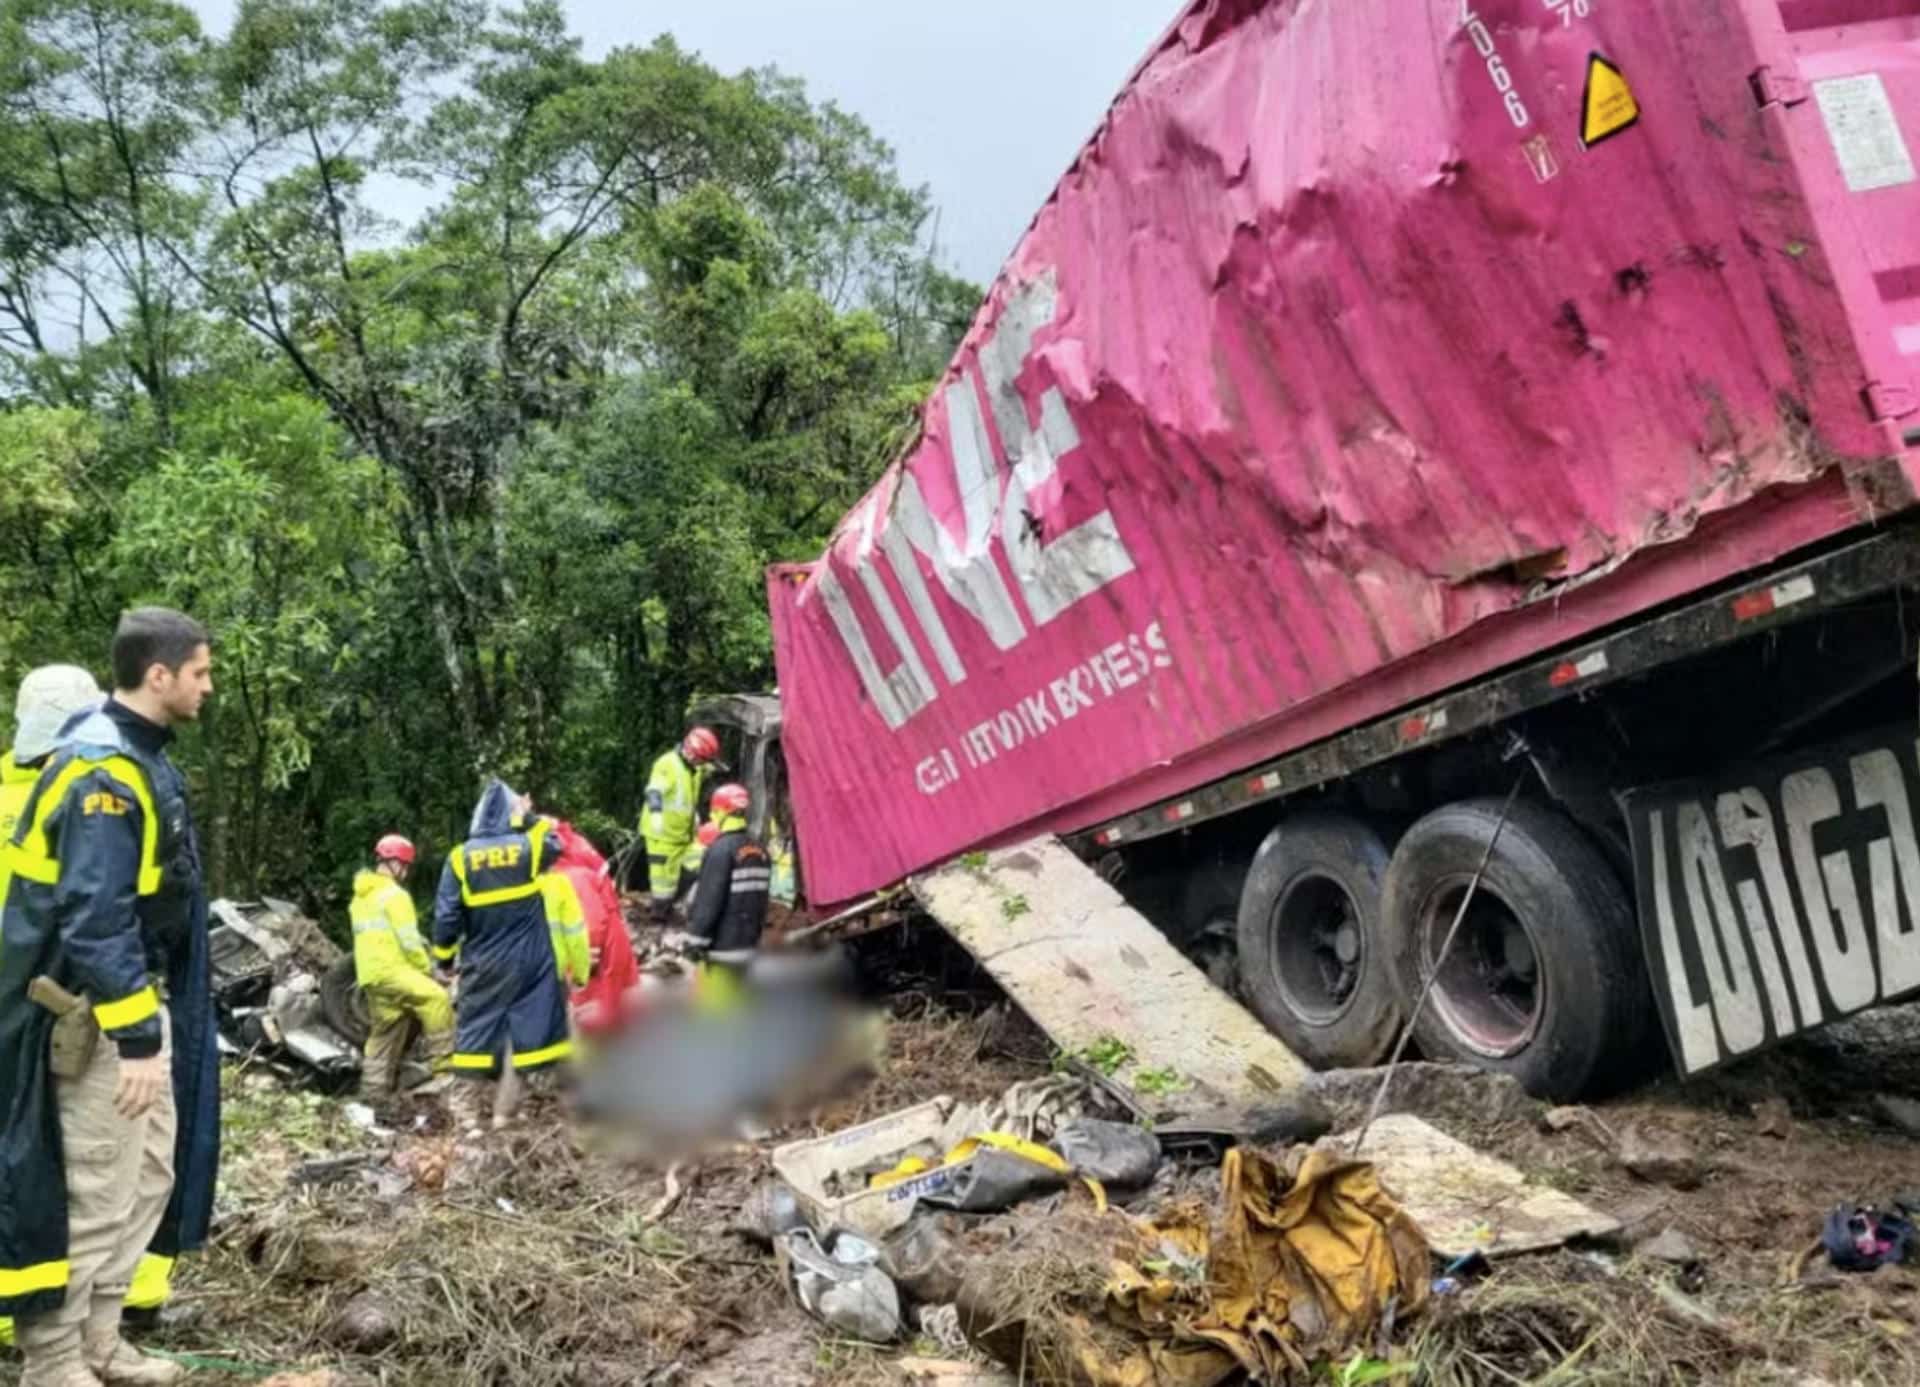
column 1609, row 106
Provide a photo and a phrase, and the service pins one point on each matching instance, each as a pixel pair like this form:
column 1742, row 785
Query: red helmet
column 394, row 848
column 700, row 745
column 731, row 799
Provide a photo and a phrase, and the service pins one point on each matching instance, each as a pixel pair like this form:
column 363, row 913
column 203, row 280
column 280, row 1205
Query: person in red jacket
column 598, row 1007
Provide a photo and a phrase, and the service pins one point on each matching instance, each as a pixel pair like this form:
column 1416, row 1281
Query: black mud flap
column 1779, row 896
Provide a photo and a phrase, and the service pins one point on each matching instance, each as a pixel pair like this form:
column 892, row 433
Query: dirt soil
column 528, row 1258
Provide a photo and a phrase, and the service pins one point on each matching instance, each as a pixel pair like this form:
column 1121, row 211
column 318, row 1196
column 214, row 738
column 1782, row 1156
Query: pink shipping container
column 1342, row 368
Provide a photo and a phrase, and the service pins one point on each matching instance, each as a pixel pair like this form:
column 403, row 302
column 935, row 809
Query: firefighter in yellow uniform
column 47, row 698
column 390, row 961
column 672, row 816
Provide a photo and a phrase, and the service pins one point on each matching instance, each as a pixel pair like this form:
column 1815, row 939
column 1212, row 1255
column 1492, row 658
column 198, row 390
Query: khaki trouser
column 119, row 1177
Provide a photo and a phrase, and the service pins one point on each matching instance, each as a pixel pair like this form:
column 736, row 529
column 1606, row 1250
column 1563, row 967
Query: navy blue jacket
column 490, row 915
column 107, row 899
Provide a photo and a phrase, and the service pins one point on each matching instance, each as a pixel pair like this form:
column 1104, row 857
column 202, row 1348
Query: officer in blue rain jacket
column 490, row 924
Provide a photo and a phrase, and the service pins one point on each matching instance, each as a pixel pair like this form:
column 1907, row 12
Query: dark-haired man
column 108, row 1072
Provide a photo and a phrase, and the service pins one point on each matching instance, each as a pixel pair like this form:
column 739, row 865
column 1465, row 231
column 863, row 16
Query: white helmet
column 48, row 697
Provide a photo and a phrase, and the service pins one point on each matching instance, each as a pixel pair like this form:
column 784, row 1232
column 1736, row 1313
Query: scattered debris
column 1035, row 1108
column 1206, row 1136
column 949, row 1372
column 1659, row 1158
column 828, row 1175
column 284, row 992
column 925, row 1261
column 1673, row 1246
column 1866, row 1239
column 841, row 1284
column 366, row 1324
column 1901, row 1113
column 669, row 1200
column 1116, row 1154
column 1773, row 1118
column 768, row 1211
column 1582, row 1120
column 1296, row 1263
column 316, row 1213
column 941, row 1324
column 1100, row 970
column 996, row 1172
column 1466, row 1201
column 1564, row 1119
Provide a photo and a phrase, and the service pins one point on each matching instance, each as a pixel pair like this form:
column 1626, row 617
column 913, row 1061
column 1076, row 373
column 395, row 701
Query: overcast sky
column 985, row 102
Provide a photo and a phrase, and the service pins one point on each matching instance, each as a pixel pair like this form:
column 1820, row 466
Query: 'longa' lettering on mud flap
column 997, row 497
column 1785, row 897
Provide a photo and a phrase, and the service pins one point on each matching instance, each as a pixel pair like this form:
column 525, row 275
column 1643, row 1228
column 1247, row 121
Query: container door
column 1848, row 84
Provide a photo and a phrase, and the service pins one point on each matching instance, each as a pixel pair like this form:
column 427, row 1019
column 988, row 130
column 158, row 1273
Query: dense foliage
column 488, row 486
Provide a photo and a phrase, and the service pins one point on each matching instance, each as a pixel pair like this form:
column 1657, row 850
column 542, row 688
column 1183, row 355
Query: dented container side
column 1840, row 80
column 1357, row 331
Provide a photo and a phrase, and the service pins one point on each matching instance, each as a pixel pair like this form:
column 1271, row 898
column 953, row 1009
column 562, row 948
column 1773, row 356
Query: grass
column 1561, row 1320
column 1109, row 1054
column 1013, row 907
column 1156, row 1083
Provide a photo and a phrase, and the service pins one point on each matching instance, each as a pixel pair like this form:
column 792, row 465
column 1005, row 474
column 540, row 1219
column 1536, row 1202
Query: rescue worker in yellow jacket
column 390, row 961
column 672, row 815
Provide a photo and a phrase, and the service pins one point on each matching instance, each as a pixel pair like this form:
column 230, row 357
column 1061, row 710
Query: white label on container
column 1866, row 133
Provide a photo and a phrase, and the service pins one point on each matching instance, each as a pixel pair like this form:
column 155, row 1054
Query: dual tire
column 1543, row 980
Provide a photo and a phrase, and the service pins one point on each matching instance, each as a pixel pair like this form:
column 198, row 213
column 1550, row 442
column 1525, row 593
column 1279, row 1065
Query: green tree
column 487, row 488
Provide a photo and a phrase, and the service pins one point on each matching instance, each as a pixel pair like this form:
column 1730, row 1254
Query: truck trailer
column 1419, row 436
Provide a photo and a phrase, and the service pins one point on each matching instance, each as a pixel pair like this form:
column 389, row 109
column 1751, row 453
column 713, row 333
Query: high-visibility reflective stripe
column 547, row 1056
column 29, row 857
column 152, row 1280
column 130, row 1010
column 501, row 896
column 41, row 1276
column 32, row 867
column 446, row 953
column 459, row 1061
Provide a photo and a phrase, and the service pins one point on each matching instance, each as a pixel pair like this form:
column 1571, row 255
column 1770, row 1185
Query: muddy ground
column 529, row 1258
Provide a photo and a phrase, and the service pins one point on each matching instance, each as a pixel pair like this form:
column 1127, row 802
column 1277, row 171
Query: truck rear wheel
column 1544, row 979
column 1313, row 964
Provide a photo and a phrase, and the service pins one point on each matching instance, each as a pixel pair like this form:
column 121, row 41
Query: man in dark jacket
column 490, row 921
column 730, row 901
column 109, row 1087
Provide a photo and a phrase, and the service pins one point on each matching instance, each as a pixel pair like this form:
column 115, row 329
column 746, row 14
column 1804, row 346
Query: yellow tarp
column 1299, row 1267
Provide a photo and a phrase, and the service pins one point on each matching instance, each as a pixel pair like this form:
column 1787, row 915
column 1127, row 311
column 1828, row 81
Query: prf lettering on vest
column 995, row 491
column 498, row 857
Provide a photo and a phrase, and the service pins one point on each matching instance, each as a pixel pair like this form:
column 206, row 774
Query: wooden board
column 1088, row 968
column 1465, row 1201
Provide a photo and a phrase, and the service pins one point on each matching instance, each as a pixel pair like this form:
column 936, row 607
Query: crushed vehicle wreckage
column 286, row 995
